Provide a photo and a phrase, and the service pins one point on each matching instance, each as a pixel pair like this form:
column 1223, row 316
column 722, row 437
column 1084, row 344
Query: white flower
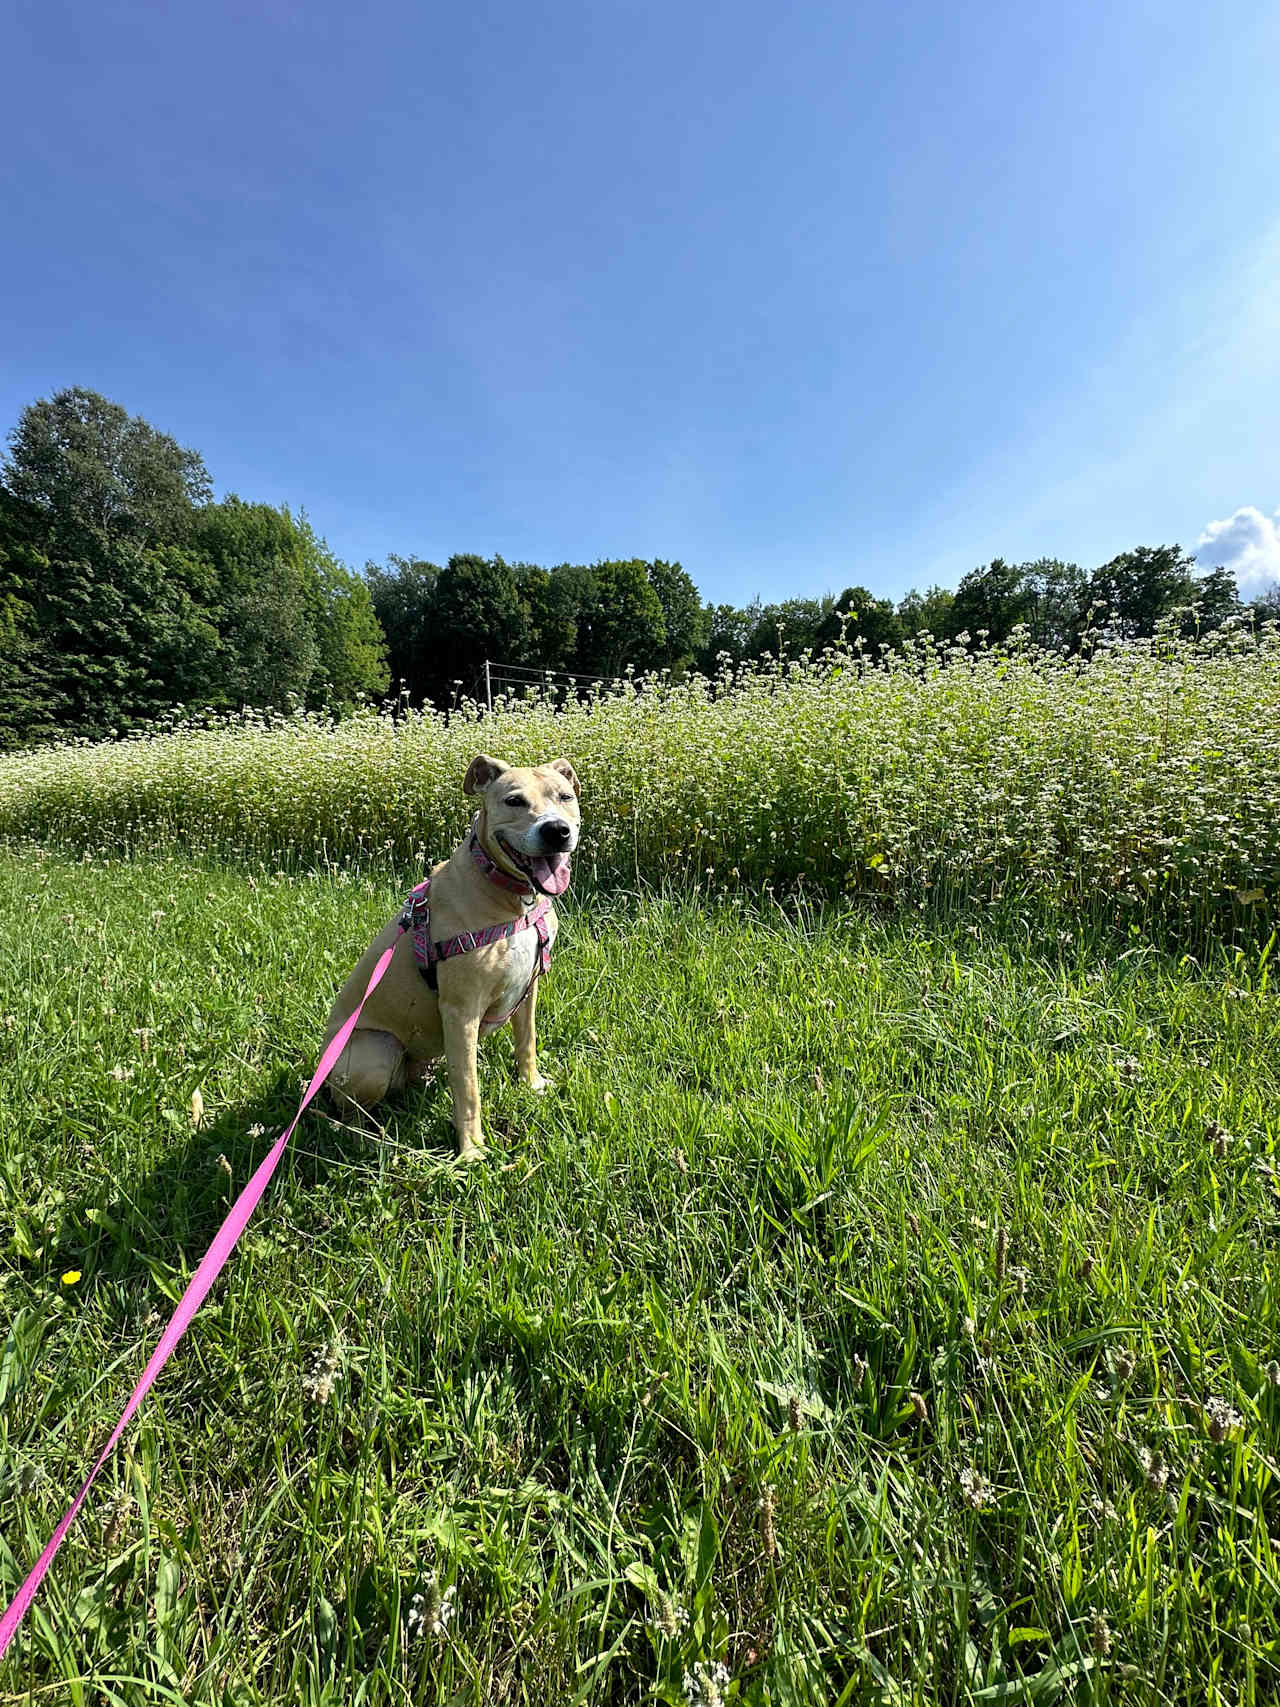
column 318, row 1382
column 1222, row 1419
column 705, row 1685
column 977, row 1490
column 430, row 1610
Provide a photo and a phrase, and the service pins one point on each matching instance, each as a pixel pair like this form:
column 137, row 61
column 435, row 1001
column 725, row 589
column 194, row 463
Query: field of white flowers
column 1148, row 776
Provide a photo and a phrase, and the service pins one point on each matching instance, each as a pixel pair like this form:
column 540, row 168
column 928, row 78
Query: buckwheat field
column 882, row 1307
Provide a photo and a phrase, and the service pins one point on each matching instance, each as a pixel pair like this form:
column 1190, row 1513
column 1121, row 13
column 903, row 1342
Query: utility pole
column 488, row 686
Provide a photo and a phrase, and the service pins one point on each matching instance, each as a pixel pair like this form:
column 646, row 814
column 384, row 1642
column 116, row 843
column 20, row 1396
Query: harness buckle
column 417, row 904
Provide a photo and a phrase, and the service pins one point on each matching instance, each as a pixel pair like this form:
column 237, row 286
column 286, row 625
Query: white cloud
column 1248, row 544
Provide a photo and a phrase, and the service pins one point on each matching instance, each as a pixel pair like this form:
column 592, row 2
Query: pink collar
column 494, row 873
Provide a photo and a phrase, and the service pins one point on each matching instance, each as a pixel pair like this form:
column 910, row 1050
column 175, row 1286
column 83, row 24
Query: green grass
column 850, row 1315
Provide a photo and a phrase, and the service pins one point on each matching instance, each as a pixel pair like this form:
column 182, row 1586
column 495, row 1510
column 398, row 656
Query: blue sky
column 801, row 296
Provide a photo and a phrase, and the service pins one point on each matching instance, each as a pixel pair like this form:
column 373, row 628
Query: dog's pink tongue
column 551, row 875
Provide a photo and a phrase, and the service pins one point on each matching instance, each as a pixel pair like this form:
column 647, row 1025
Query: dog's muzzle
column 544, row 858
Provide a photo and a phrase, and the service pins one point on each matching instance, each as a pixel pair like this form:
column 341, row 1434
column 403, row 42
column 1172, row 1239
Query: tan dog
column 526, row 828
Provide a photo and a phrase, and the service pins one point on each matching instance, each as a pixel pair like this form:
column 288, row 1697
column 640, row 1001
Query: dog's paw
column 537, row 1084
column 469, row 1150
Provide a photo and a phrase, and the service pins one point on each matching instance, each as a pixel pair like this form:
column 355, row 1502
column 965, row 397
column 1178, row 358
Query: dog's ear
column 568, row 773
column 481, row 772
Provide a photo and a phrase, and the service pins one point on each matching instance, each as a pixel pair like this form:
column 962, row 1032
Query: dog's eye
column 515, row 800
column 566, row 798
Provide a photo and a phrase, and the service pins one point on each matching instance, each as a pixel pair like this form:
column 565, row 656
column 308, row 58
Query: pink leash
column 210, row 1268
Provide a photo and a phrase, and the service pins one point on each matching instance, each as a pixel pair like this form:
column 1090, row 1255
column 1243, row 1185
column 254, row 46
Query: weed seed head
column 430, row 1610
column 1154, row 1469
column 1222, row 1419
column 318, row 1383
column 977, row 1490
column 768, row 1504
column 705, row 1685
column 672, row 1619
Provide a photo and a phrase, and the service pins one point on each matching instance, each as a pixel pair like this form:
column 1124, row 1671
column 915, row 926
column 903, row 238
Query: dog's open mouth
column 549, row 873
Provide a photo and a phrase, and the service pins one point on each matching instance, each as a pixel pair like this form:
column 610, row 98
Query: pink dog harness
column 416, row 920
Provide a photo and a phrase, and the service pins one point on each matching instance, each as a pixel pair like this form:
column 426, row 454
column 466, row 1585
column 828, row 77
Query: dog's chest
column 517, row 970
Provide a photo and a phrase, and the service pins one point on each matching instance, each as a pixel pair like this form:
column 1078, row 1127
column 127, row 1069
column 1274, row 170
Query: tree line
column 126, row 591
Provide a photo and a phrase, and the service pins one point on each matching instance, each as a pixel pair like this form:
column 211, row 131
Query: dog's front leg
column 522, row 1024
column 461, row 1027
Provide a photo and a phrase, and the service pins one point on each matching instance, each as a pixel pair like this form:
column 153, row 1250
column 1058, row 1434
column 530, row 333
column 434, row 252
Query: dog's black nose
column 555, row 834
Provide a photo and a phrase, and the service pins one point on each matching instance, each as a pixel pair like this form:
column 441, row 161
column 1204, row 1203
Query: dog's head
column 529, row 818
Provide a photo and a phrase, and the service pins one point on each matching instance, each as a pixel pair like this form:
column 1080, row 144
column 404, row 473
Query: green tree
column 859, row 615
column 91, row 468
column 113, row 626
column 729, row 631
column 476, row 613
column 620, row 621
column 683, row 615
column 991, row 601
column 29, row 702
column 402, row 593
column 930, row 612
column 1217, row 600
column 551, row 606
column 787, row 629
column 351, row 662
column 1138, row 588
column 1058, row 602
column 266, row 603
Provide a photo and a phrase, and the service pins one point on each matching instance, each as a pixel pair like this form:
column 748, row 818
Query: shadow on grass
column 129, row 1236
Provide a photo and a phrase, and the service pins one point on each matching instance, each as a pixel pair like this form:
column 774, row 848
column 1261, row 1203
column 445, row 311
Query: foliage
column 991, row 602
column 685, row 622
column 125, row 592
column 1137, row 589
column 401, row 593
column 883, row 1311
column 552, row 601
column 929, row 613
column 1216, row 602
column 90, row 468
column 1142, row 780
column 622, row 623
column 476, row 614
column 789, row 628
column 860, row 616
column 729, row 633
column 1056, row 608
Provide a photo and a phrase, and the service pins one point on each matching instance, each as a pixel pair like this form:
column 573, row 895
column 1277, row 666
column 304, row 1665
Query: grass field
column 881, row 1309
